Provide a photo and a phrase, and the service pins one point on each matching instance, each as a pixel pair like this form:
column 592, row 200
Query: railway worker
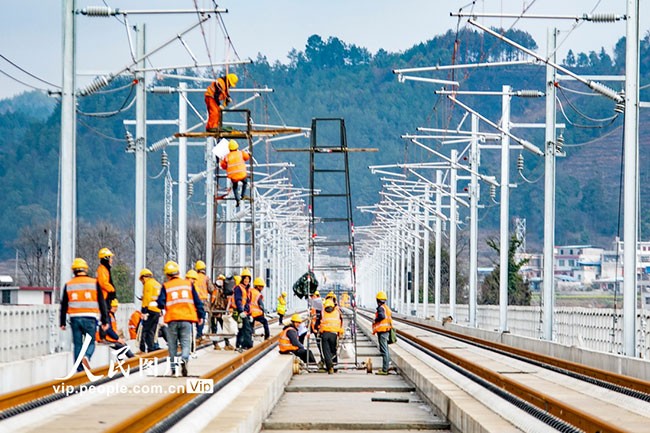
column 219, row 307
column 331, row 328
column 182, row 308
column 104, row 276
column 381, row 326
column 193, row 276
column 235, row 165
column 204, row 288
column 257, row 306
column 113, row 334
column 217, row 97
column 241, row 298
column 83, row 301
column 134, row 324
column 281, row 306
column 150, row 311
column 289, row 342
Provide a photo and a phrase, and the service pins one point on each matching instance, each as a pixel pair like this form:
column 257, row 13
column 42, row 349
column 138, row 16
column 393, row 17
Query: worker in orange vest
column 217, row 97
column 193, row 276
column 150, row 310
column 204, row 288
column 134, row 324
column 331, row 328
column 381, row 326
column 83, row 301
column 289, row 342
column 104, row 276
column 241, row 295
column 113, row 334
column 257, row 306
column 235, row 165
column 183, row 308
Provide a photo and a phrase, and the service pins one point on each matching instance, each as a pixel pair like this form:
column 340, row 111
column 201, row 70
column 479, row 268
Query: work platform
column 234, row 133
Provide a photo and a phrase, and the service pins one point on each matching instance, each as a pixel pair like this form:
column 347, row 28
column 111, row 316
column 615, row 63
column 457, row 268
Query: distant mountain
column 33, row 104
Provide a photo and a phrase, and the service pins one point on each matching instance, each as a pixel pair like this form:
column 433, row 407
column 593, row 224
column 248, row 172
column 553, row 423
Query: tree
column 518, row 289
column 36, row 251
column 570, row 59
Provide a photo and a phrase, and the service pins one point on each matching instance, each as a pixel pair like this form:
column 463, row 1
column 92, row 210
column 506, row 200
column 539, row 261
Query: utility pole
column 140, row 163
column 505, row 208
column 453, row 229
column 425, row 258
column 209, row 205
column 548, row 295
column 68, row 167
column 438, row 258
column 182, row 178
column 631, row 178
column 474, row 159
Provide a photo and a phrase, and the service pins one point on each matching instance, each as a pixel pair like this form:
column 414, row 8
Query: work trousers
column 383, row 349
column 265, row 323
column 328, row 342
column 80, row 327
column 179, row 331
column 149, row 331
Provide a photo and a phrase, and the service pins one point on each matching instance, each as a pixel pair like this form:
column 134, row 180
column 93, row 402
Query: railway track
column 565, row 395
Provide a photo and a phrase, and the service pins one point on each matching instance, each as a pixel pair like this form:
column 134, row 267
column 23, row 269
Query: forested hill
column 330, row 78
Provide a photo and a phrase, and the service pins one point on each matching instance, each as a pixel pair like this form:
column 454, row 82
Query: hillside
column 330, row 79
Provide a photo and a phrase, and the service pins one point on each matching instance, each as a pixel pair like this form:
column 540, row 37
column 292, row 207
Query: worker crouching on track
column 381, row 326
column 182, row 308
column 113, row 336
column 331, row 327
column 83, row 301
column 289, row 342
column 257, row 306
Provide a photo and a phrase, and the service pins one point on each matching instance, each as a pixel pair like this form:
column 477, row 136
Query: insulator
column 160, row 144
column 493, row 191
column 529, row 93
column 559, row 143
column 520, row 162
column 605, row 91
column 601, row 17
column 98, row 11
column 163, row 89
column 620, row 105
column 130, row 142
column 164, row 160
column 97, row 84
column 190, row 189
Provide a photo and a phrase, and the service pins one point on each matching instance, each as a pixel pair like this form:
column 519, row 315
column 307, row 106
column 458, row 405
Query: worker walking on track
column 193, row 276
column 281, row 307
column 182, row 308
column 381, row 326
column 257, row 306
column 104, row 275
column 204, row 288
column 217, row 97
column 83, row 301
column 242, row 310
column 235, row 165
column 289, row 342
column 150, row 311
column 331, row 328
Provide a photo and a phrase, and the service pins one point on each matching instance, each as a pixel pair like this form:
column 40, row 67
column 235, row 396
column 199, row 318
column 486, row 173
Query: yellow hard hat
column 200, row 265
column 171, row 268
column 284, row 294
column 328, row 303
column 192, row 274
column 258, row 282
column 232, row 80
column 233, row 145
column 221, row 277
column 246, row 273
column 381, row 295
column 331, row 295
column 145, row 273
column 114, row 303
column 104, row 252
column 79, row 263
column 296, row 318
column 316, row 293
column 237, row 279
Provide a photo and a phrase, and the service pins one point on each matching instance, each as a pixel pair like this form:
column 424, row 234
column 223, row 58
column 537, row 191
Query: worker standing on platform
column 150, row 310
column 104, row 276
column 331, row 328
column 219, row 302
column 217, row 97
column 82, row 299
column 281, row 307
column 381, row 326
column 134, row 324
column 204, row 288
column 243, row 309
column 235, row 165
column 289, row 342
column 182, row 308
column 257, row 306
column 113, row 334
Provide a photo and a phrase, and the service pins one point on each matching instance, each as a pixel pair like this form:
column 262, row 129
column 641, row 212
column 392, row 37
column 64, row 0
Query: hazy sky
column 31, row 30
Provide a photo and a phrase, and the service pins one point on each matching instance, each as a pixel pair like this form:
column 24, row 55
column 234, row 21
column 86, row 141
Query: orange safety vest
column 179, row 302
column 244, row 298
column 82, row 297
column 201, row 286
column 285, row 343
column 386, row 324
column 218, row 88
column 331, row 322
column 255, row 295
column 113, row 326
column 235, row 164
column 104, row 279
column 134, row 321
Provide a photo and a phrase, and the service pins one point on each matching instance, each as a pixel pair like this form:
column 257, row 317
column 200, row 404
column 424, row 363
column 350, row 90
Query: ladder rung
column 233, row 243
column 330, row 268
column 330, row 195
column 330, row 243
column 328, row 170
column 234, row 221
column 326, row 220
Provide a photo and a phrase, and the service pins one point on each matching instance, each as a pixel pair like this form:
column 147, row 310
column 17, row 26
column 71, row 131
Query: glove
column 243, row 315
column 228, row 101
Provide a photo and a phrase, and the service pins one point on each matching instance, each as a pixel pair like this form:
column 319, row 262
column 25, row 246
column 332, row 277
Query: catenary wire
column 29, row 73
